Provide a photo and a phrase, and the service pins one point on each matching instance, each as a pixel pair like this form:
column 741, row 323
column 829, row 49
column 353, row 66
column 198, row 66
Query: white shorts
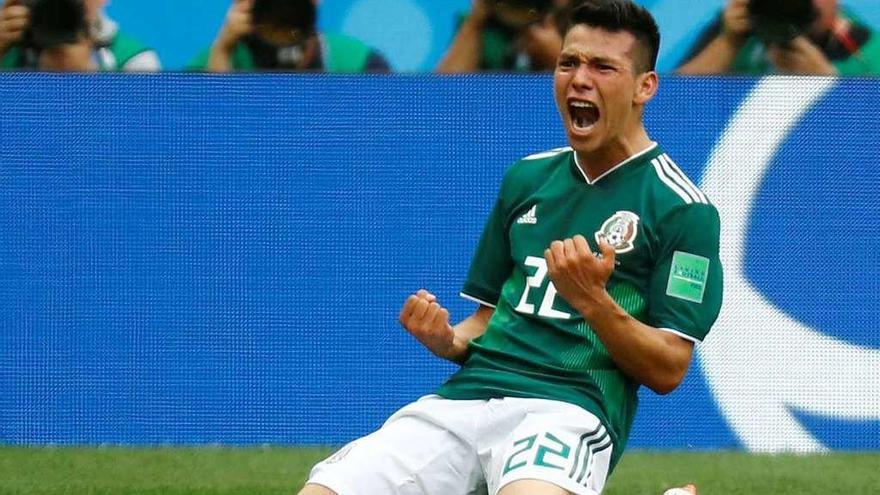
column 437, row 446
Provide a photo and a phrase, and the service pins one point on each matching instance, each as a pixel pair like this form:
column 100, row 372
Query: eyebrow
column 594, row 59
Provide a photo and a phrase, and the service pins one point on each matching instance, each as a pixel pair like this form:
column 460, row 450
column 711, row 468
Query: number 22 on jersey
column 536, row 281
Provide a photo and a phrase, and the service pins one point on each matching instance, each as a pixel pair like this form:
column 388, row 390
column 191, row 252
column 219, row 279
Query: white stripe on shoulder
column 684, row 176
column 147, row 61
column 476, row 300
column 682, row 335
column 669, row 183
column 548, row 154
column 670, row 172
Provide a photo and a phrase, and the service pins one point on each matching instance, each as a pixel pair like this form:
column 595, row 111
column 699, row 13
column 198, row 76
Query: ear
column 646, row 87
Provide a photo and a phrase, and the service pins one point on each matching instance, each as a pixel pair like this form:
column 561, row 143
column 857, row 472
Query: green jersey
column 668, row 275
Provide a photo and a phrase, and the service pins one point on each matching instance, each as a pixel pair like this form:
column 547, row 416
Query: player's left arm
column 652, row 355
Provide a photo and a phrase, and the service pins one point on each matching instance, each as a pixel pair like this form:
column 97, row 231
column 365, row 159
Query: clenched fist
column 428, row 321
column 578, row 274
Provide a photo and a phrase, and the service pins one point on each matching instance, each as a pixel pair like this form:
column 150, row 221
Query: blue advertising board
column 194, row 259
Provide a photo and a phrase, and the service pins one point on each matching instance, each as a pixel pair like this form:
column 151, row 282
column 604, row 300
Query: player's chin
column 583, row 142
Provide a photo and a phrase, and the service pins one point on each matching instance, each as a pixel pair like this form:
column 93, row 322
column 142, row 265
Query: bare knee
column 532, row 487
column 313, row 489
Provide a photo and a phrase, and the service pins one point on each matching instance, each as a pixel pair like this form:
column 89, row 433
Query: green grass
column 740, row 474
column 119, row 471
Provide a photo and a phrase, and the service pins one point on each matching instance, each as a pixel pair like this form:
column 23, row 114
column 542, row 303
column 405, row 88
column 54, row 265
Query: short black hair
column 539, row 5
column 620, row 15
column 295, row 14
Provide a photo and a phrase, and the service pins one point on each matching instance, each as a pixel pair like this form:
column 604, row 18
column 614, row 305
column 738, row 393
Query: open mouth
column 583, row 114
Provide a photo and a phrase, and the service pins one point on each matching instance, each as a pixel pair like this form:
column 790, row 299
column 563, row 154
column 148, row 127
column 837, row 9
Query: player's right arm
column 426, row 320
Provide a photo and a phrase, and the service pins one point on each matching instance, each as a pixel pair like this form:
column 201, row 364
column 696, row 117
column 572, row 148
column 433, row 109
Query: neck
column 596, row 162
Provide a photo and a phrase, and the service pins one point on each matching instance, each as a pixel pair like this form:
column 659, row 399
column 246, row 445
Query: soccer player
column 596, row 273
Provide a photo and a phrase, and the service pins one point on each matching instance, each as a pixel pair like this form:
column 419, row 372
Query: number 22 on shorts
column 548, row 448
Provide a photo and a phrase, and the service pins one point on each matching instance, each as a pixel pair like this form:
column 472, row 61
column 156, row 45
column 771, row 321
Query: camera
column 780, row 21
column 55, row 22
column 281, row 29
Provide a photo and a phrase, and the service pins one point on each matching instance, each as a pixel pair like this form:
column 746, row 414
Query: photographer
column 282, row 35
column 67, row 35
column 811, row 37
column 505, row 35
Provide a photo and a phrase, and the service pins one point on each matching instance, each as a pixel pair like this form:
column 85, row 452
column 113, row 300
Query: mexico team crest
column 620, row 231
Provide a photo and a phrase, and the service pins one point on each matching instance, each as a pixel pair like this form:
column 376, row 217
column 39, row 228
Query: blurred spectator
column 504, row 35
column 283, row 35
column 71, row 35
column 786, row 36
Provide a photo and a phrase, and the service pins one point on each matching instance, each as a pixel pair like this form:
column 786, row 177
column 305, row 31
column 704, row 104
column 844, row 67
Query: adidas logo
column 529, row 217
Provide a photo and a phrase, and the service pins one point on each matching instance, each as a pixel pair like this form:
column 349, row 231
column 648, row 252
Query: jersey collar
column 651, row 147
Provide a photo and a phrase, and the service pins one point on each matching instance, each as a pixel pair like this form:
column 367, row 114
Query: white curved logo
column 759, row 361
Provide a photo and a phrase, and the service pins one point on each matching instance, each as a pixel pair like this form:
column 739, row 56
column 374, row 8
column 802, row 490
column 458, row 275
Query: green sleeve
column 345, row 54
column 200, row 61
column 492, row 262
column 685, row 289
column 12, row 59
column 125, row 48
